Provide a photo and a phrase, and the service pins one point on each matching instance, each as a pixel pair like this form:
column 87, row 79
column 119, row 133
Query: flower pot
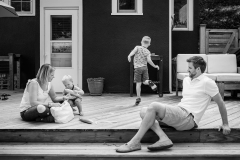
column 95, row 86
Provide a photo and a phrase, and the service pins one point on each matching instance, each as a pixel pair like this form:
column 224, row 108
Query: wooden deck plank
column 214, row 115
column 96, row 150
column 111, row 111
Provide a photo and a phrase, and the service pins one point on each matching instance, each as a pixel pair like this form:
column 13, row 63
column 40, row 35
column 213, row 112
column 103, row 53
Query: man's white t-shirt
column 197, row 95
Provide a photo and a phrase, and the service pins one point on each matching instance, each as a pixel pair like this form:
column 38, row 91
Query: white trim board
column 60, row 5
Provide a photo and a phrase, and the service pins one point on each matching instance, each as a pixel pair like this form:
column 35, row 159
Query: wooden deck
column 116, row 121
column 112, row 111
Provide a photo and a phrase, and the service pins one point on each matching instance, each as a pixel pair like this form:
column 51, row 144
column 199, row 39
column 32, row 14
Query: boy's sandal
column 138, row 100
column 151, row 84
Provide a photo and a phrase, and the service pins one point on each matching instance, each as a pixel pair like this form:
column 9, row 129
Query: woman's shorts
column 141, row 74
column 179, row 118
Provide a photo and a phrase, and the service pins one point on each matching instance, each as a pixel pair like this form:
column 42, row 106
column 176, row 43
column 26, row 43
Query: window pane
column 61, row 28
column 181, row 15
column 126, row 4
column 61, row 55
column 26, row 6
column 17, row 6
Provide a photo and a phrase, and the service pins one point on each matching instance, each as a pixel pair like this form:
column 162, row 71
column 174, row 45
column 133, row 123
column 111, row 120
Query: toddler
column 142, row 56
column 73, row 93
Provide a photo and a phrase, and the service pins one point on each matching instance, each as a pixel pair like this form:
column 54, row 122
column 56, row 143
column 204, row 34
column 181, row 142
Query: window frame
column 190, row 15
column 32, row 9
column 138, row 11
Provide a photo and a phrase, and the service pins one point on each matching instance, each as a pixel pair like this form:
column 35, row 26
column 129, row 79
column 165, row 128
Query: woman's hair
column 44, row 72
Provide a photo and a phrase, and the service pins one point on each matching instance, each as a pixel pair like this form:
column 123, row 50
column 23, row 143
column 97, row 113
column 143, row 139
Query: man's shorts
column 141, row 74
column 179, row 118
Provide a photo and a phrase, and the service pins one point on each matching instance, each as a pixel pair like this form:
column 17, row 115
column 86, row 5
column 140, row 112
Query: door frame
column 170, row 46
column 63, row 5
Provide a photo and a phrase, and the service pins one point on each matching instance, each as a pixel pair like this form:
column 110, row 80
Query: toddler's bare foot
column 81, row 114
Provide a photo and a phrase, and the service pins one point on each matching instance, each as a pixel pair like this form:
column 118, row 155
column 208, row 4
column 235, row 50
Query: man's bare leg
column 149, row 121
column 155, row 127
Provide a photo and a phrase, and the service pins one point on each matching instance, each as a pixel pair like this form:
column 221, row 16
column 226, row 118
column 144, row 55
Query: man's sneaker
column 152, row 85
column 138, row 100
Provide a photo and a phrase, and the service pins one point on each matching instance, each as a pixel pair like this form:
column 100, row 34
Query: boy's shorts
column 141, row 74
column 179, row 118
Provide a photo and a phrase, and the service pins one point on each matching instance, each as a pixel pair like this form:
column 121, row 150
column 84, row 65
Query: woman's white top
column 41, row 95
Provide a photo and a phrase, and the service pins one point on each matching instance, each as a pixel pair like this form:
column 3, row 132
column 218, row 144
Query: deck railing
column 218, row 41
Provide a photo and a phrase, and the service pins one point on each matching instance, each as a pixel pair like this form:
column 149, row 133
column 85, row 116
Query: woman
column 33, row 106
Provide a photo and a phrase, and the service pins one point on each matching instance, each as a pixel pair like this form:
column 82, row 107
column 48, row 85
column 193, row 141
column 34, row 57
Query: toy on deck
column 86, row 120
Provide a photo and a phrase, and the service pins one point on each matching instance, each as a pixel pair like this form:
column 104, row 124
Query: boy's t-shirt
column 140, row 58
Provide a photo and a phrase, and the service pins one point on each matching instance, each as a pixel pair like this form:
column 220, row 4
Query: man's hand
column 156, row 66
column 129, row 59
column 226, row 129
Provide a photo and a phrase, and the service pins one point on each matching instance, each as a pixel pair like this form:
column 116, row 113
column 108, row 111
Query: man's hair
column 146, row 40
column 198, row 61
column 67, row 77
column 44, row 72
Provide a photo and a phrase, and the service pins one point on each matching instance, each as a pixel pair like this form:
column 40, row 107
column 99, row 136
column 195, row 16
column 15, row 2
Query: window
column 61, row 41
column 182, row 14
column 127, row 7
column 23, row 7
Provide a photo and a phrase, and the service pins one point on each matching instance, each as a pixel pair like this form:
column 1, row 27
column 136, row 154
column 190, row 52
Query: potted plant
column 95, row 86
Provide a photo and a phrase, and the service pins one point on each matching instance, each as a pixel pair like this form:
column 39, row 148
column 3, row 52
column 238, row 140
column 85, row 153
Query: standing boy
column 141, row 58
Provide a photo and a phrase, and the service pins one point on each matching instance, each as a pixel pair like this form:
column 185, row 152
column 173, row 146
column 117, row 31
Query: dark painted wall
column 21, row 36
column 107, row 41
column 187, row 41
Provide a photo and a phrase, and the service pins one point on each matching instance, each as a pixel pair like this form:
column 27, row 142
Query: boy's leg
column 78, row 103
column 138, row 80
column 71, row 104
column 146, row 80
column 138, row 90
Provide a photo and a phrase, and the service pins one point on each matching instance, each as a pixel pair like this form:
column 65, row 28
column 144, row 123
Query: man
column 197, row 93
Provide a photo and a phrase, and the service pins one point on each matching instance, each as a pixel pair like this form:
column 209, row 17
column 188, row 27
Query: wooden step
column 114, row 135
column 101, row 151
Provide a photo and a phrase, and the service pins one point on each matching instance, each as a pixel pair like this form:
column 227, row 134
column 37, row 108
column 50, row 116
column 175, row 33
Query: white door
column 61, row 49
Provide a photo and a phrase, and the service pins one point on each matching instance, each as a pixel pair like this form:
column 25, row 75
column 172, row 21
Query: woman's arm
column 54, row 97
column 32, row 90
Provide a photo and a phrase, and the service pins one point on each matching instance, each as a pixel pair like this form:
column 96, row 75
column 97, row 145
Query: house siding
column 108, row 39
column 21, row 36
column 187, row 41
